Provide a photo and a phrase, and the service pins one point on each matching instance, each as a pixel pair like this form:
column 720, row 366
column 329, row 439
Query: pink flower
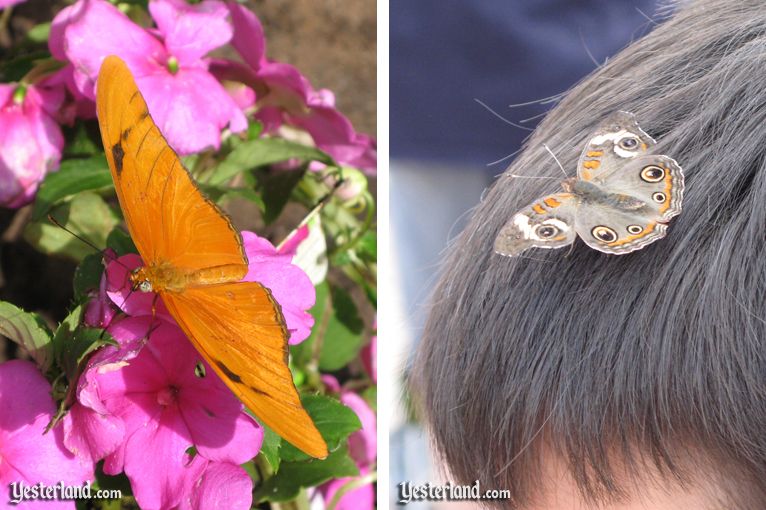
column 370, row 358
column 221, row 485
column 363, row 446
column 289, row 285
column 143, row 405
column 76, row 104
column 188, row 104
column 30, row 140
column 290, row 98
column 152, row 390
column 27, row 454
column 8, row 3
column 360, row 498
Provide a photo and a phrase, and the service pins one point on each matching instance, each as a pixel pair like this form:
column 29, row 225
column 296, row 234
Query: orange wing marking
column 668, row 189
column 552, row 202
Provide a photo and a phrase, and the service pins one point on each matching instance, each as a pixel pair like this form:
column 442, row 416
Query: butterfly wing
column 171, row 221
column 617, row 232
column 641, row 197
column 168, row 217
column 546, row 223
column 617, row 140
column 239, row 329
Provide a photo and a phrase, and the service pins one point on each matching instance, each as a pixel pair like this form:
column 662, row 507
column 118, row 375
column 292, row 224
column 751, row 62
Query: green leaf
column 370, row 395
column 275, row 187
column 343, row 337
column 74, row 176
column 368, row 246
column 86, row 215
column 293, row 476
column 247, row 194
column 39, row 33
column 270, row 448
column 264, row 151
column 87, row 276
column 334, row 421
column 29, row 331
column 254, row 129
column 120, row 242
column 72, row 343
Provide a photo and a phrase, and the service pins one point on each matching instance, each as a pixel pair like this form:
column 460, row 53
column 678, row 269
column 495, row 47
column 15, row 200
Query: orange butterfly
column 194, row 259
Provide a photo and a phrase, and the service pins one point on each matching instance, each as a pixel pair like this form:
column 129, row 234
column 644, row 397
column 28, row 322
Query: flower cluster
column 155, row 397
column 191, row 96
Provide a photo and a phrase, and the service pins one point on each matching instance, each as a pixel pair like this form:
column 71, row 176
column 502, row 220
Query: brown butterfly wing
column 239, row 329
column 169, row 219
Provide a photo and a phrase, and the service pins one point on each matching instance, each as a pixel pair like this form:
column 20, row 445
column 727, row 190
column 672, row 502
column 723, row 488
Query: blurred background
column 469, row 81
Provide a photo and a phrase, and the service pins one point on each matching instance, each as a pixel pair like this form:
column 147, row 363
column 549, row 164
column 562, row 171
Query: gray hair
column 655, row 357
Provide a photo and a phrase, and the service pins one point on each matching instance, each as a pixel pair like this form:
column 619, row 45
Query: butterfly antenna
column 59, row 225
column 556, row 160
column 87, row 242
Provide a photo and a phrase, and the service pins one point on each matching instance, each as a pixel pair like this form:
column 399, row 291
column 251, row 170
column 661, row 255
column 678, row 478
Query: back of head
column 651, row 361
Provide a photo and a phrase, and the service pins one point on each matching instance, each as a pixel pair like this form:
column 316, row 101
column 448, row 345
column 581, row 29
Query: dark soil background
column 332, row 42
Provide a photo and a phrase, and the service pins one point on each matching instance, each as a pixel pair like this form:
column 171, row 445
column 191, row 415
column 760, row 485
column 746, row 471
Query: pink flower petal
column 363, row 444
column 333, row 133
column 331, row 383
column 219, row 428
column 370, row 358
column 8, row 3
column 155, row 460
column 91, row 435
column 248, row 37
column 75, row 28
column 27, row 454
column 199, row 109
column 361, row 498
column 31, row 143
column 223, row 486
column 191, row 31
column 289, row 285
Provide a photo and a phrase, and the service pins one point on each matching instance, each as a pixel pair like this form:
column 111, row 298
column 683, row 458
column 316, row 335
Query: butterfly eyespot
column 652, row 173
column 635, row 229
column 145, row 286
column 628, row 143
column 659, row 197
column 605, row 234
column 546, row 231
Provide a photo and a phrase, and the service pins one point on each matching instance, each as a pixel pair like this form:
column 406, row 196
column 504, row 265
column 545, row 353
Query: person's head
column 633, row 372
